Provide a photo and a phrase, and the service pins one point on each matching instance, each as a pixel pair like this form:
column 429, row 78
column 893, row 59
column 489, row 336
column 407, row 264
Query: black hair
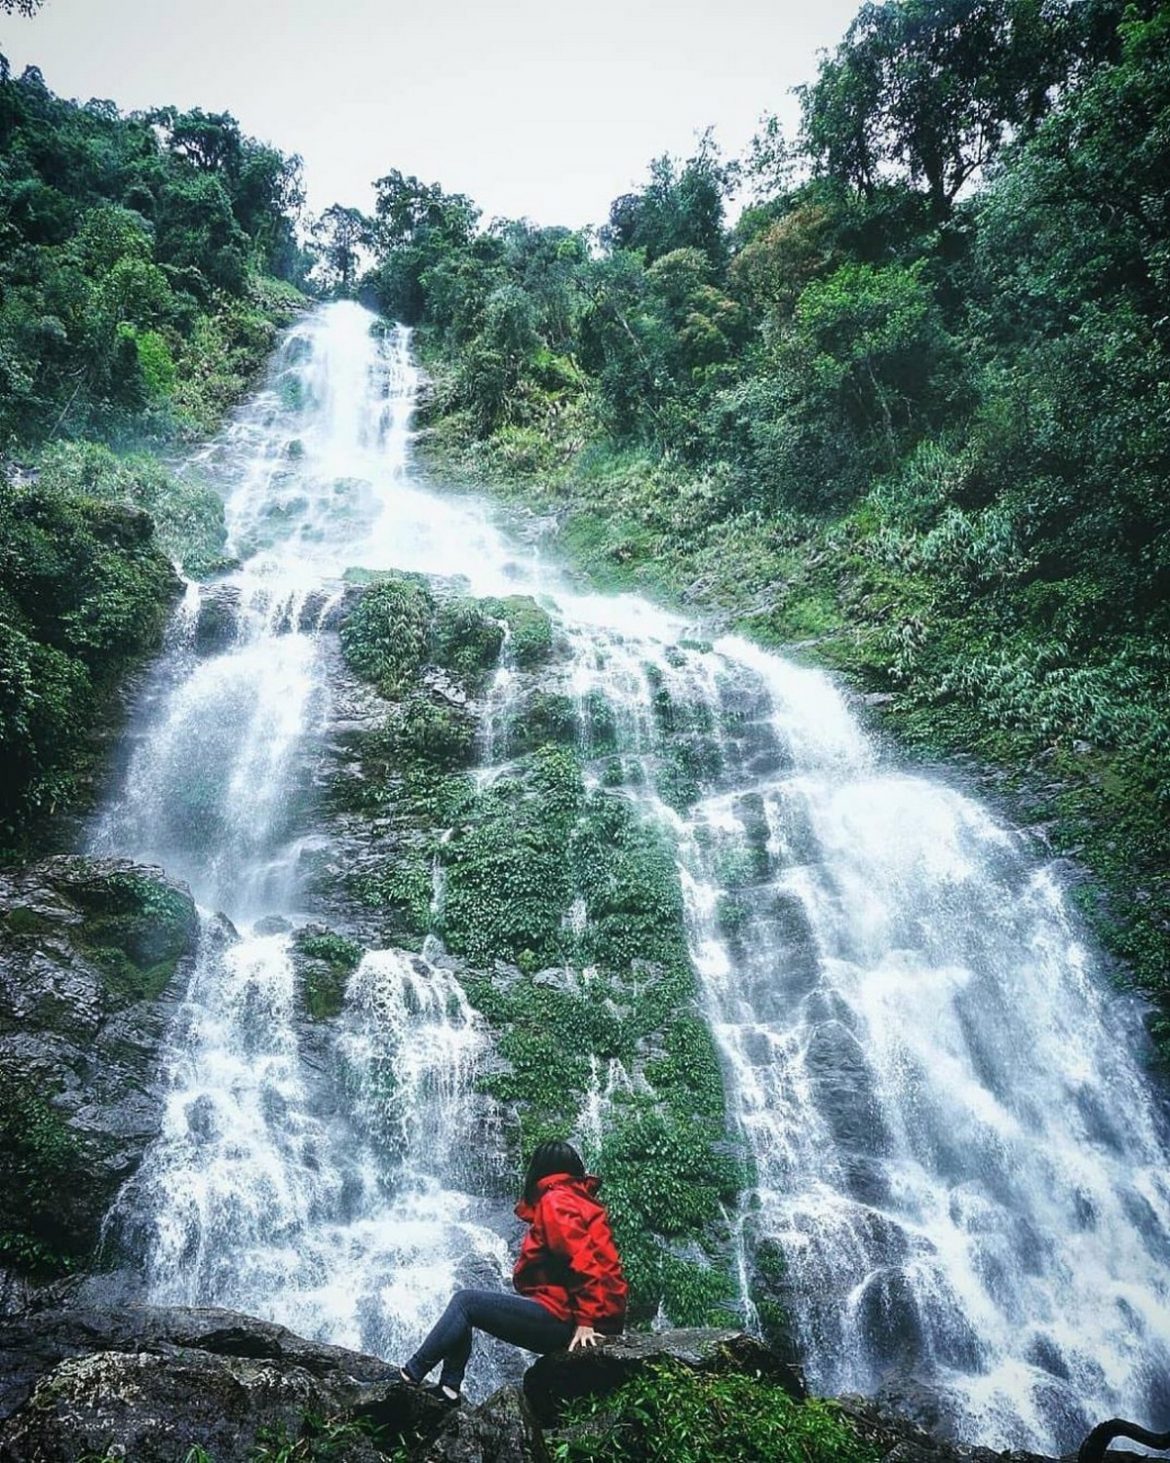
column 553, row 1157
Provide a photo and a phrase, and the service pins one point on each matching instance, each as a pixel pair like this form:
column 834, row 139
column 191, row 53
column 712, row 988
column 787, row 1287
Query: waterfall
column 956, row 1151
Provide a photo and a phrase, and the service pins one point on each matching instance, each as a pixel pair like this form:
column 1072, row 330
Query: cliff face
column 154, row 1384
column 93, row 953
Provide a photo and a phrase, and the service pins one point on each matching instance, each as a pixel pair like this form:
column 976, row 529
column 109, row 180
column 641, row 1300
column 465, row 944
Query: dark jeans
column 510, row 1317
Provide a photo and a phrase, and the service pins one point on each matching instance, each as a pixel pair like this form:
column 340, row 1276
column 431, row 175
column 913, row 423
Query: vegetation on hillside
column 909, row 412
column 146, row 263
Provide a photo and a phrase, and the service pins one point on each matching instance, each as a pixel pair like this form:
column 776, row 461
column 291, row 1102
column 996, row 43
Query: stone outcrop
column 92, row 958
column 151, row 1383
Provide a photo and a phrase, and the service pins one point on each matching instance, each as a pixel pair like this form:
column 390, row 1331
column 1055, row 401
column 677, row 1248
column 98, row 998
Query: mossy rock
column 385, row 636
column 466, row 640
column 531, row 631
column 138, row 924
column 324, row 962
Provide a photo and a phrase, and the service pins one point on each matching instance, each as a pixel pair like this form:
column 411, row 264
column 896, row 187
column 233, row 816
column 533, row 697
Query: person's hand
column 584, row 1336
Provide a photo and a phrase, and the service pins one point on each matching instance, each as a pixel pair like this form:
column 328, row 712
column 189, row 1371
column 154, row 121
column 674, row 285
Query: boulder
column 93, row 954
column 500, row 1430
column 150, row 1383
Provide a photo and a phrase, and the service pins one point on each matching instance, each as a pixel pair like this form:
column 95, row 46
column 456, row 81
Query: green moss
column 38, row 1160
column 325, row 961
column 668, row 1413
column 323, row 991
column 529, row 626
column 18, row 919
column 136, row 930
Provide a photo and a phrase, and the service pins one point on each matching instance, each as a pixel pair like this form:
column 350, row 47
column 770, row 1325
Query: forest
column 146, row 265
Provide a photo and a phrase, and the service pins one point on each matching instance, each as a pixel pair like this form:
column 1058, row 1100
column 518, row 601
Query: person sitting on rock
column 569, row 1285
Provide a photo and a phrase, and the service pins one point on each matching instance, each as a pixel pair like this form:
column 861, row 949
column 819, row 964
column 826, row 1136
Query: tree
column 409, row 211
column 342, row 234
column 681, row 207
column 932, row 89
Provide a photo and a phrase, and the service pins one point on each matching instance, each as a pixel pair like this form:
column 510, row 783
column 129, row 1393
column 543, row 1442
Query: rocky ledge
column 156, row 1385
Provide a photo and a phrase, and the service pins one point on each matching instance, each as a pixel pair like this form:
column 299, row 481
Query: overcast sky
column 534, row 107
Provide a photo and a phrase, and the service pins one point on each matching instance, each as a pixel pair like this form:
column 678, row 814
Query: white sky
column 534, row 107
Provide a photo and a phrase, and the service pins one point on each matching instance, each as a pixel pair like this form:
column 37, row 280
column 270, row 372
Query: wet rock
column 898, row 1440
column 438, row 681
column 562, row 1375
column 500, row 1430
column 151, row 1383
column 218, row 618
column 272, row 924
column 93, row 954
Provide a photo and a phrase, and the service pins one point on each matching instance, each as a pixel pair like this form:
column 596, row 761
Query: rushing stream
column 954, row 1143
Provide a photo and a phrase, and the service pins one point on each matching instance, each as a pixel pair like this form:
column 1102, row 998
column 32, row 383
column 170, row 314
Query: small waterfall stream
column 955, row 1147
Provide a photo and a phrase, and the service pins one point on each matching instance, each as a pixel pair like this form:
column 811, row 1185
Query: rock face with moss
column 554, row 900
column 92, row 953
column 164, row 1385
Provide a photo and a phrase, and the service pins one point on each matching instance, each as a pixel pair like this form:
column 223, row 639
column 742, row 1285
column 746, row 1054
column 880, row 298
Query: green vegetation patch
column 401, row 887
column 385, row 636
column 38, row 1163
column 85, row 593
column 466, row 640
column 670, row 1414
column 136, row 929
column 325, row 962
column 508, row 882
column 187, row 514
column 529, row 626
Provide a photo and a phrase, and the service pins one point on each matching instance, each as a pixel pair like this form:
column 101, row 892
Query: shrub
column 385, row 636
column 670, row 1414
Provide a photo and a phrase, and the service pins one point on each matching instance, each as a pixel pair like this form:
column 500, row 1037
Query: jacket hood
column 587, row 1187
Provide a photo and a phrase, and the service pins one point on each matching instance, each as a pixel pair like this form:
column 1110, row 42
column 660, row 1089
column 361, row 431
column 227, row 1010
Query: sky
column 536, row 108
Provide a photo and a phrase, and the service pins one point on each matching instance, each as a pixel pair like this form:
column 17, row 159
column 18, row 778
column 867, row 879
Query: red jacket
column 568, row 1261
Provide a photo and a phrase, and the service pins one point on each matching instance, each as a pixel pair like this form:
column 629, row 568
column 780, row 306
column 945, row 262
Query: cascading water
column 954, row 1145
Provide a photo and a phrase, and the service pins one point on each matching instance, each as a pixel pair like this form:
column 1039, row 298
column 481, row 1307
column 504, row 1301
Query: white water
column 954, row 1144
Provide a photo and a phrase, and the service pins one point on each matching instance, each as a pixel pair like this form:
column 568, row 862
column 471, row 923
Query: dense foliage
column 143, row 259
column 146, row 262
column 84, row 592
column 669, row 1413
column 910, row 411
